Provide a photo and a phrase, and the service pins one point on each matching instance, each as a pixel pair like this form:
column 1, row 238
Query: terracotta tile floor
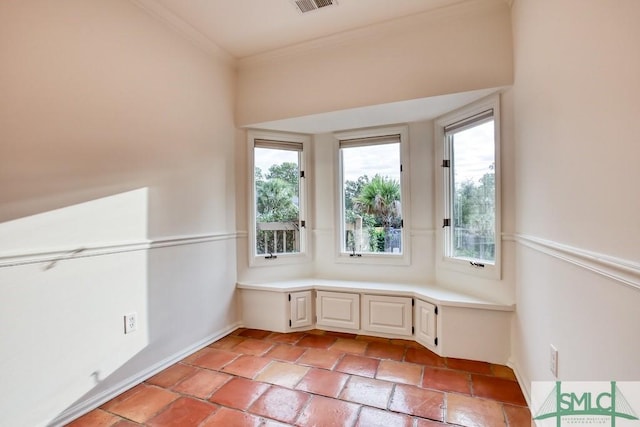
column 258, row 378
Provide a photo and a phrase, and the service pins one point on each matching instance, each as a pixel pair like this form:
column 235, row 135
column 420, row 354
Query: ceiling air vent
column 305, row 6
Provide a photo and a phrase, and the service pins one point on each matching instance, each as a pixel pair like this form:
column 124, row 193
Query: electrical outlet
column 553, row 360
column 130, row 322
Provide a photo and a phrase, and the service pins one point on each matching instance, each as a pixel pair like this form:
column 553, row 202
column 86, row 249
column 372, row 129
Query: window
column 372, row 200
column 278, row 221
column 470, row 188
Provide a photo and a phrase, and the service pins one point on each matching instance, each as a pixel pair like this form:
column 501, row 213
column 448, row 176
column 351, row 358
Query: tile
column 446, row 380
column 474, row 366
column 290, row 338
column 255, row 333
column 503, row 372
column 320, row 381
column 316, row 332
column 231, row 417
column 473, row 412
column 239, row 393
column 326, row 412
column 95, row 418
column 316, row 341
column 367, row 391
column 320, row 358
column 370, row 417
column 497, row 389
column 246, row 366
column 282, row 374
column 284, row 352
column 271, row 423
column 343, row 335
column 349, row 346
column 238, row 331
column 253, row 347
column 122, row 397
column 202, row 384
column 423, row 356
column 280, row 404
column 126, row 423
column 144, row 404
column 215, row 359
column 420, row 422
column 404, row 343
column 358, row 365
column 385, row 351
column 517, row 416
column 184, row 412
column 369, row 338
column 399, row 372
column 172, row 375
column 194, row 356
column 417, row 401
column 227, row 343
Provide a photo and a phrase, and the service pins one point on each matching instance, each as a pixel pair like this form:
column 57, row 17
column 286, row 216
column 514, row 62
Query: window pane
column 473, row 198
column 277, row 204
column 372, row 213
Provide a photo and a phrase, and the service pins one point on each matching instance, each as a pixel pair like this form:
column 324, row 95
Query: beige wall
column 576, row 115
column 113, row 131
column 455, row 49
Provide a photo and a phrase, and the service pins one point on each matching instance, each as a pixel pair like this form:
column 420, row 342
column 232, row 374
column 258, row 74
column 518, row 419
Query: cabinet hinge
column 436, row 310
column 435, row 341
column 413, row 330
column 289, row 322
column 289, row 297
column 446, row 163
column 446, row 222
column 301, row 174
column 413, row 302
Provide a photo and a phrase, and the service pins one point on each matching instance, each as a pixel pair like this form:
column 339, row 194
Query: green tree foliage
column 381, row 198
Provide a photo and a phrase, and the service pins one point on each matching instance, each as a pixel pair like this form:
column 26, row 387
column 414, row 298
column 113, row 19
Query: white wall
column 576, row 130
column 454, row 49
column 115, row 134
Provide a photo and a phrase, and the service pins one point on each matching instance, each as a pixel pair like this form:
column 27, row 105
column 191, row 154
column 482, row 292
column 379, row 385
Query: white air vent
column 305, row 6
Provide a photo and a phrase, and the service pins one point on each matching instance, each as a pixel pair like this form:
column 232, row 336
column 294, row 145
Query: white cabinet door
column 425, row 320
column 386, row 314
column 300, row 306
column 338, row 310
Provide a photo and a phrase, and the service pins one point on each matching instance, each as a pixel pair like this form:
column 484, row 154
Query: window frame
column 404, row 258
column 304, row 255
column 443, row 194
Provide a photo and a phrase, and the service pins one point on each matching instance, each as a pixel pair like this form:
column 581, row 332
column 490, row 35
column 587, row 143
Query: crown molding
column 186, row 30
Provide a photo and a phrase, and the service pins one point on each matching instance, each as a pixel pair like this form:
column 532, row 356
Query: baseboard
column 523, row 384
column 94, row 402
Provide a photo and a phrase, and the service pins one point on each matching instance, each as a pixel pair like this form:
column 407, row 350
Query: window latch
column 476, row 264
column 271, row 256
column 446, row 222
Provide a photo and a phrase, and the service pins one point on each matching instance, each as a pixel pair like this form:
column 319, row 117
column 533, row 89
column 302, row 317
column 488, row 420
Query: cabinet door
column 425, row 320
column 300, row 306
column 338, row 310
column 386, row 314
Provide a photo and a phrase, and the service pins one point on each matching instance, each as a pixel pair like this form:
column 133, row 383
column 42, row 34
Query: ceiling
column 248, row 27
column 244, row 28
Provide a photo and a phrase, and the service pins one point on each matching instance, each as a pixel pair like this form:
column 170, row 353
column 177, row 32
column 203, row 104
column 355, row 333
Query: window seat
column 450, row 323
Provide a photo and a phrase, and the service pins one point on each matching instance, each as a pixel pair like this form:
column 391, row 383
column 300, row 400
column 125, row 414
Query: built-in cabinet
column 338, row 310
column 448, row 323
column 425, row 323
column 300, row 309
column 387, row 314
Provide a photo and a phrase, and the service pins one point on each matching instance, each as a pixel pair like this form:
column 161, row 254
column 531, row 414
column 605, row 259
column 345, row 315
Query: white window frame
column 443, row 259
column 304, row 255
column 403, row 258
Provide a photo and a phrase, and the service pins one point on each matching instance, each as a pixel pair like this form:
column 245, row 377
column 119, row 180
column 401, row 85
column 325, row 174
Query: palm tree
column 380, row 197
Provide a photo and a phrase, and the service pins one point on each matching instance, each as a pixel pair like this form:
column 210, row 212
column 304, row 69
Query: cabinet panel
column 386, row 314
column 425, row 321
column 300, row 306
column 338, row 310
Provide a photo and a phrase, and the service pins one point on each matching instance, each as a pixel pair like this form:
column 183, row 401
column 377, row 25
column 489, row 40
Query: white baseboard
column 94, row 402
column 523, row 384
